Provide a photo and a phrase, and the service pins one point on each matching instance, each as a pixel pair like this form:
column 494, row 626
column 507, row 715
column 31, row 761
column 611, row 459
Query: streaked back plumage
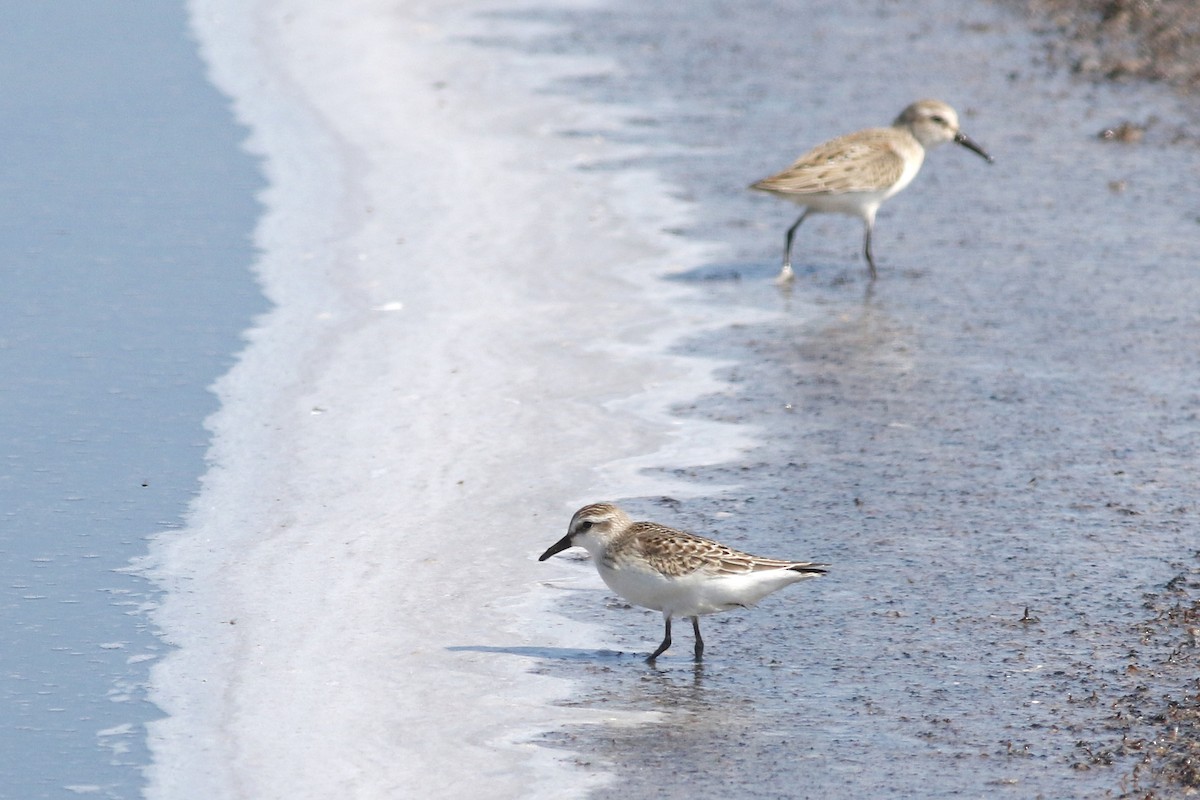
column 855, row 173
column 859, row 162
column 672, row 571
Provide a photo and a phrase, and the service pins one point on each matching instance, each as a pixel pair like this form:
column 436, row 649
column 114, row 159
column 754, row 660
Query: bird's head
column 592, row 528
column 932, row 122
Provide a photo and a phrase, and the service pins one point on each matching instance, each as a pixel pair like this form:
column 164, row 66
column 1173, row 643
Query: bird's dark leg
column 867, row 250
column 699, row 641
column 666, row 642
column 786, row 273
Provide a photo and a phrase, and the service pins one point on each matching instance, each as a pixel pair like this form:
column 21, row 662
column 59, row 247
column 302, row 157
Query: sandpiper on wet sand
column 855, row 173
column 672, row 571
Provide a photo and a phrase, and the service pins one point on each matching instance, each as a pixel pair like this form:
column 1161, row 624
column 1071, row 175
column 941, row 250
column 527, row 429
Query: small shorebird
column 855, row 173
column 674, row 572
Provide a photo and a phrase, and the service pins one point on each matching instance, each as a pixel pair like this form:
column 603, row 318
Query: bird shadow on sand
column 726, row 271
column 830, row 275
column 570, row 655
column 549, row 653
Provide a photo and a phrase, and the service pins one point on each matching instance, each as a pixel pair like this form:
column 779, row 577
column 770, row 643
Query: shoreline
column 360, row 559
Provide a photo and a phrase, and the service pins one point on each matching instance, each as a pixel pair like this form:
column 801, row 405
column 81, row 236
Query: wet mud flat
column 985, row 630
column 994, row 446
column 1158, row 719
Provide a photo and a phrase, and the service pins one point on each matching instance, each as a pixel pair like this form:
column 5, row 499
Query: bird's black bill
column 557, row 547
column 810, row 569
column 970, row 144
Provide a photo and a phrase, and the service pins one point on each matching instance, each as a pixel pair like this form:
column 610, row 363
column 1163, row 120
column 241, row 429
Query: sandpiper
column 672, row 571
column 855, row 173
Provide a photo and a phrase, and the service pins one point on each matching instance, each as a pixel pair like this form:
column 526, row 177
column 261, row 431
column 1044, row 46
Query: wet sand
column 994, row 446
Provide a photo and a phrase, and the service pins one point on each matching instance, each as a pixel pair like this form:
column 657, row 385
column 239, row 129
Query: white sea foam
column 356, row 595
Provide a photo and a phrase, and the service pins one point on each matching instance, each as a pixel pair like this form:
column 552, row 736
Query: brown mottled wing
column 675, row 553
column 859, row 162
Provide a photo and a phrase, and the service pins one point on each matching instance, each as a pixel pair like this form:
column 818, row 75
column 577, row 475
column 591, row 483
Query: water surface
column 125, row 212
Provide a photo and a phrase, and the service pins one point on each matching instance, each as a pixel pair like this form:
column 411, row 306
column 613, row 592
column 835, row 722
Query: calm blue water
column 126, row 208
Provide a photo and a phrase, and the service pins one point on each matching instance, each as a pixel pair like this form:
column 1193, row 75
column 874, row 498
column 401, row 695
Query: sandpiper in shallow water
column 855, row 173
column 677, row 573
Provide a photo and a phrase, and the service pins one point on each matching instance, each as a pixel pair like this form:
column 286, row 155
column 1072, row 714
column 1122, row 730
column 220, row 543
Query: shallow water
column 1005, row 421
column 125, row 214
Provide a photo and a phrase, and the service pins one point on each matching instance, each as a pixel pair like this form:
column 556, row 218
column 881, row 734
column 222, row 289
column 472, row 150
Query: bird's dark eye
column 938, row 119
column 583, row 525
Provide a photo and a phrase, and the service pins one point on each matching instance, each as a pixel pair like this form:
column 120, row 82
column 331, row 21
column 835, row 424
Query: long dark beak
column 562, row 544
column 970, row 144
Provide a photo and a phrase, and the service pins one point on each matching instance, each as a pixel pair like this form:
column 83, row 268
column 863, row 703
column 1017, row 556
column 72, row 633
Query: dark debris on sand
column 1159, row 732
column 1156, row 40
